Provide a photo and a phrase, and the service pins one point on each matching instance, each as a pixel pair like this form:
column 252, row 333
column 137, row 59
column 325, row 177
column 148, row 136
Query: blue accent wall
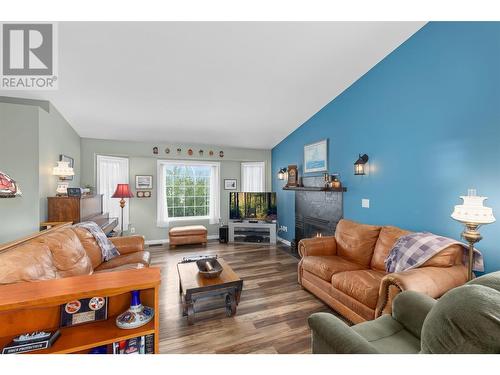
column 428, row 116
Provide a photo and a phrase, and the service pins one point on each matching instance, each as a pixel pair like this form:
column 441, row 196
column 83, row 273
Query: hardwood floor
column 271, row 316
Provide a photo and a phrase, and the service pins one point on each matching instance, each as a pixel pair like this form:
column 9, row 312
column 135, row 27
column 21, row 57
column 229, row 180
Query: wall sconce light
column 282, row 174
column 359, row 165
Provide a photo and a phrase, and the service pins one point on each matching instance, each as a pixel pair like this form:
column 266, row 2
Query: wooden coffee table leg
column 230, row 304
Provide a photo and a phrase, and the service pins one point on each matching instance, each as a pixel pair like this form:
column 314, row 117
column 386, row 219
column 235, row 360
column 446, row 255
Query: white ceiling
column 242, row 84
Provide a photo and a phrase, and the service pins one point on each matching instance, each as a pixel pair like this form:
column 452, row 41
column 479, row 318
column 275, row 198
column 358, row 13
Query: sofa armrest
column 128, row 244
column 410, row 309
column 332, row 335
column 432, row 281
column 318, row 246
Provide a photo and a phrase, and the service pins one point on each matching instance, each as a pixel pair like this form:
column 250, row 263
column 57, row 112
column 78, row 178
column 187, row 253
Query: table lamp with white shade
column 62, row 170
column 472, row 213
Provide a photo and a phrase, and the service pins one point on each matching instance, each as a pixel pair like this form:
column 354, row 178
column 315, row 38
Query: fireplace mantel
column 314, row 188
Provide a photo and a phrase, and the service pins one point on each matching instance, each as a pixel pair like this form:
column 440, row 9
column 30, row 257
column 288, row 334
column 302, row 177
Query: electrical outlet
column 365, row 203
column 132, row 230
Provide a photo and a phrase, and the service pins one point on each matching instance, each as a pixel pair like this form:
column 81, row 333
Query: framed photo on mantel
column 316, row 157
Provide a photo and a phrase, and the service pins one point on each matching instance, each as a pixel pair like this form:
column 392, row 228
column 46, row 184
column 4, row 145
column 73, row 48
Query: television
column 252, row 206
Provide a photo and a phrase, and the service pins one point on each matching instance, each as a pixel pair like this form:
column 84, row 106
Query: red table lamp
column 122, row 191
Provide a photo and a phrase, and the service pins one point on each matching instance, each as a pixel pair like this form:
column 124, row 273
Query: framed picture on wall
column 143, row 182
column 316, row 157
column 230, row 184
column 71, row 163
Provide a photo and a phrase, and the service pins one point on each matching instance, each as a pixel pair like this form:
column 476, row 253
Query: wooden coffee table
column 193, row 287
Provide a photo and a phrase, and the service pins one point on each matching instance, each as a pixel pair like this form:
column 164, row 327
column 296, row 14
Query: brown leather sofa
column 66, row 251
column 347, row 271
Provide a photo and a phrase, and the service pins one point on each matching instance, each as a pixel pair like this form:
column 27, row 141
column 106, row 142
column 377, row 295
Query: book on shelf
column 135, row 345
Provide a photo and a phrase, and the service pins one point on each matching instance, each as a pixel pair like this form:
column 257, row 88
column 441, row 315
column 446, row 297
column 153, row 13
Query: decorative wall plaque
column 84, row 310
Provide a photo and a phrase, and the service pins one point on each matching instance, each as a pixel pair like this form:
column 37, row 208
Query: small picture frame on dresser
column 74, row 192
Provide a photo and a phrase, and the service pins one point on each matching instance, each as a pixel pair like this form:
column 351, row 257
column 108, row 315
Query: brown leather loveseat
column 347, row 271
column 64, row 252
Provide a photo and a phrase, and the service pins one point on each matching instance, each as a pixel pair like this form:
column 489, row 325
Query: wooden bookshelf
column 35, row 306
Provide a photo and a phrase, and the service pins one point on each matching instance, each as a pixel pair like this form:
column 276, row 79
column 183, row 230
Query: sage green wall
column 19, row 159
column 56, row 137
column 32, row 136
column 143, row 162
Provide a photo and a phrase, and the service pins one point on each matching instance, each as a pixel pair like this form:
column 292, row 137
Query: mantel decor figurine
column 137, row 315
column 293, row 176
column 335, row 181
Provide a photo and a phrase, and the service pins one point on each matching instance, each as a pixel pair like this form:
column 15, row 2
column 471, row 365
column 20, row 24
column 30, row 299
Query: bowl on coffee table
column 209, row 268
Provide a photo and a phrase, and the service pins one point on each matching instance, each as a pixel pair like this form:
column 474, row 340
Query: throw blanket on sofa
column 413, row 250
column 108, row 250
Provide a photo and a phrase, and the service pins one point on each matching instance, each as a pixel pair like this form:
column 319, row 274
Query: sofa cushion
column 362, row 285
column 189, row 230
column 385, row 242
column 143, row 257
column 356, row 242
column 30, row 261
column 326, row 266
column 68, row 253
column 90, row 245
column 388, row 336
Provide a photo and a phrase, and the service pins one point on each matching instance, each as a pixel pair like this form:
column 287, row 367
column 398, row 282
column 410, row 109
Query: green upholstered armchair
column 464, row 320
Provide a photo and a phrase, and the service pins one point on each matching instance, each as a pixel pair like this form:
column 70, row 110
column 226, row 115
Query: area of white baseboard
column 166, row 240
column 283, row 241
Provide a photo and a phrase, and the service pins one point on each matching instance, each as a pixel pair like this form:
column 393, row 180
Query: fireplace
column 315, row 227
column 316, row 212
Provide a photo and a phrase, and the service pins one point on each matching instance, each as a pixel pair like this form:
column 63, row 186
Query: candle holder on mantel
column 335, row 183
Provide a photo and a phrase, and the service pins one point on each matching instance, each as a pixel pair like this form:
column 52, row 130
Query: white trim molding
column 283, row 241
column 166, row 240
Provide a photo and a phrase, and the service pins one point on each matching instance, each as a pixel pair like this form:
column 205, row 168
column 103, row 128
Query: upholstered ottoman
column 191, row 234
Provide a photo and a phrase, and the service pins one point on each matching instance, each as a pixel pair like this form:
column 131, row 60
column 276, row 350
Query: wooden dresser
column 78, row 209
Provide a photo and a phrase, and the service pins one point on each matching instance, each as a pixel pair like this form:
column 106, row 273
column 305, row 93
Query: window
column 112, row 171
column 188, row 190
column 253, row 177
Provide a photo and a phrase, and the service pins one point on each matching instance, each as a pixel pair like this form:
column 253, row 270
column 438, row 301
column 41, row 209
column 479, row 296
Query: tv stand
column 252, row 231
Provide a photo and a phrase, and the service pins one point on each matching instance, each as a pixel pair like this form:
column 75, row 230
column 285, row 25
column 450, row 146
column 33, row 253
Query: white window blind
column 112, row 171
column 188, row 190
column 253, row 176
